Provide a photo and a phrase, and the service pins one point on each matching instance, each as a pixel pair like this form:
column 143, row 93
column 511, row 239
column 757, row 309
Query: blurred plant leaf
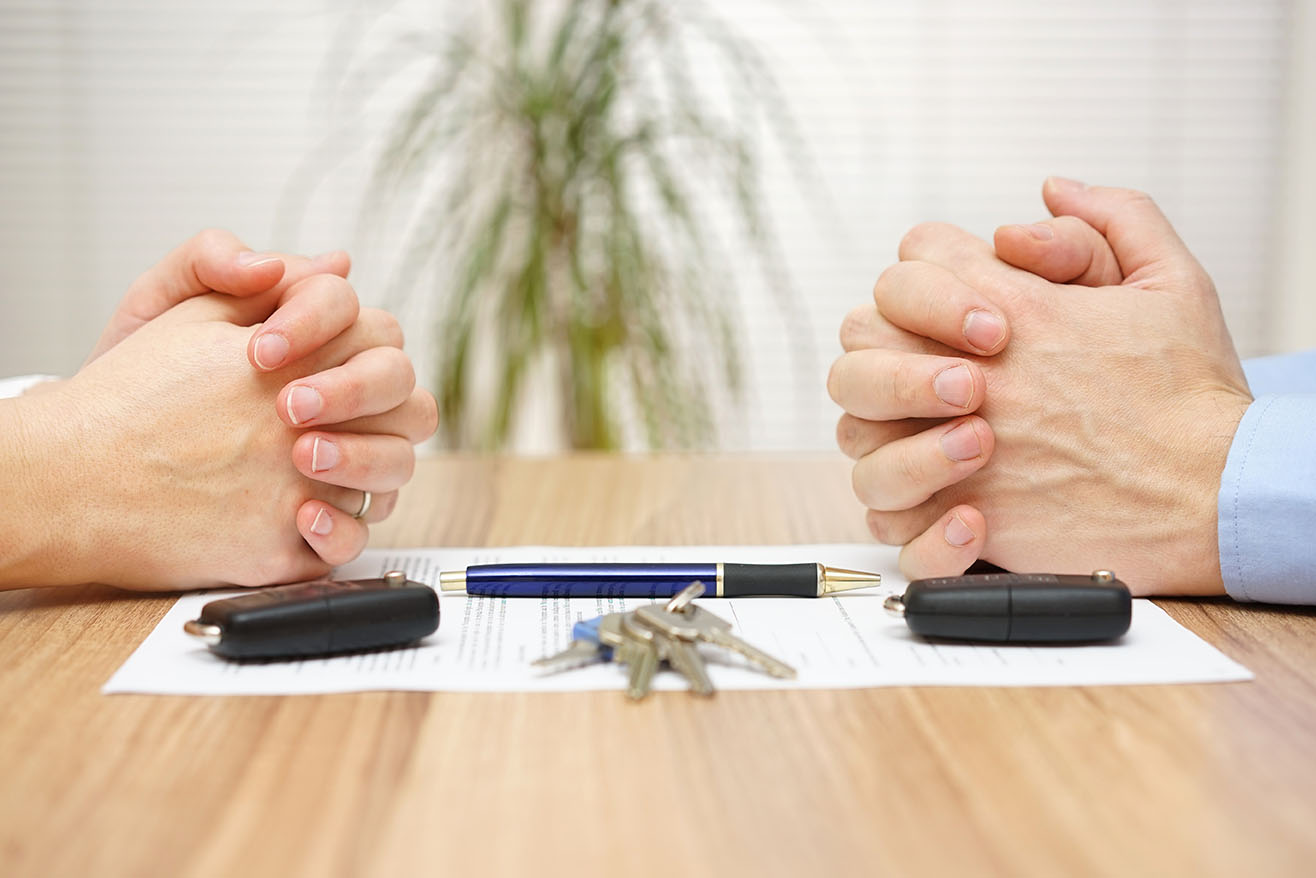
column 556, row 169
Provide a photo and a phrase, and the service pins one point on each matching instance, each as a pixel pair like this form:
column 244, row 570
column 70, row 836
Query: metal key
column 684, row 657
column 695, row 623
column 629, row 651
column 577, row 654
column 681, row 654
column 586, row 647
column 644, row 652
column 609, row 631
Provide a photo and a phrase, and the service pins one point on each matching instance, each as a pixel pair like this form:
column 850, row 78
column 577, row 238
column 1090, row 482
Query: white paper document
column 844, row 641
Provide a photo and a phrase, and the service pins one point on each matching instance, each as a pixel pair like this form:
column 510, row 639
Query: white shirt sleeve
column 11, row 387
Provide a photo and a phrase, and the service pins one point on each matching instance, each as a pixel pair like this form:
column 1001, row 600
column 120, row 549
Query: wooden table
column 1153, row 780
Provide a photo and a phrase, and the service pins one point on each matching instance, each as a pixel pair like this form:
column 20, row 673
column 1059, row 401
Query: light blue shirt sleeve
column 1284, row 373
column 1267, row 503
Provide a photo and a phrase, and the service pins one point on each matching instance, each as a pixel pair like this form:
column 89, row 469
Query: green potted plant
column 555, row 172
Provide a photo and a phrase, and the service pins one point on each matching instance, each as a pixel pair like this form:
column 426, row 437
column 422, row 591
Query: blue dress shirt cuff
column 1267, row 504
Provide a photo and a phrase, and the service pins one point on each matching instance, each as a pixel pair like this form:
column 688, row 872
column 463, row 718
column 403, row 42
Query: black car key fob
column 1017, row 607
column 318, row 618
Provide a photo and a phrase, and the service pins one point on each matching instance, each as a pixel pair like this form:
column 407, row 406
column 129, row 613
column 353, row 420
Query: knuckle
column 890, row 278
column 277, row 566
column 429, row 414
column 350, row 393
column 392, row 369
column 930, row 307
column 340, row 553
column 859, row 484
column 907, row 469
column 906, row 387
column 1137, row 198
column 856, row 327
column 333, row 287
column 1201, row 282
column 901, row 273
column 844, row 432
column 912, row 239
column 382, row 326
column 211, row 239
column 834, row 378
column 916, row 562
column 920, row 235
column 344, row 291
column 884, row 527
column 943, row 302
column 871, row 483
column 409, row 379
column 402, row 365
column 388, row 504
column 1135, row 202
column 849, row 435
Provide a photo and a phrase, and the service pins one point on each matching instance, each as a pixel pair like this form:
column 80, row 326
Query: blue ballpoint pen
column 653, row 580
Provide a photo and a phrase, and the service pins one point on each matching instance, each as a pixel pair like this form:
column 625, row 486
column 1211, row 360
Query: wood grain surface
column 1150, row 780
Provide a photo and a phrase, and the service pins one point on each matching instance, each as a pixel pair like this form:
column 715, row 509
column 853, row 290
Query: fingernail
column 954, row 386
column 324, row 523
column 1065, row 184
column 304, row 403
column 249, row 259
column 957, row 532
column 324, row 455
column 1040, row 231
column 270, row 351
column 961, row 443
column 984, row 330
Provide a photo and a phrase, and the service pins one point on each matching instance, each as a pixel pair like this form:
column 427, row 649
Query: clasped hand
column 1061, row 402
column 225, row 427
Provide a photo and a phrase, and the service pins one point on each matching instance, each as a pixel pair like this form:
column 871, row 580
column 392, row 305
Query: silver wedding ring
column 365, row 506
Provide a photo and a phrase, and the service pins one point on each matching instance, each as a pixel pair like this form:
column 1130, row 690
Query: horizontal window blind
column 127, row 126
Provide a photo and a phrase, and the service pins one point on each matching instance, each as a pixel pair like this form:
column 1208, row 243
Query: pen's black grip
column 785, row 580
column 1019, row 607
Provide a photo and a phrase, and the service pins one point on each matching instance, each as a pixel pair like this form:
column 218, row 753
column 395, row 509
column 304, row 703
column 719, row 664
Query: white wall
column 1293, row 324
column 126, row 126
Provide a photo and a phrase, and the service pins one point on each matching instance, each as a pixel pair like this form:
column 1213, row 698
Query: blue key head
column 587, row 629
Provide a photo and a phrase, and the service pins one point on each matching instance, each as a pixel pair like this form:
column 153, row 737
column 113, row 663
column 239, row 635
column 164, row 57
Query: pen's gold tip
column 452, row 580
column 839, row 579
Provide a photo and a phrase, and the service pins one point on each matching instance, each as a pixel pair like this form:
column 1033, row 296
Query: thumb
column 948, row 547
column 1140, row 236
column 214, row 260
column 1063, row 250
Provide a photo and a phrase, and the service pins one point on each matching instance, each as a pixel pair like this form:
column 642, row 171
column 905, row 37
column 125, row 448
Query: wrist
column 1197, row 562
column 43, row 534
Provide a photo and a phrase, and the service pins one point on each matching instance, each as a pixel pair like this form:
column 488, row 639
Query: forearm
column 41, row 540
